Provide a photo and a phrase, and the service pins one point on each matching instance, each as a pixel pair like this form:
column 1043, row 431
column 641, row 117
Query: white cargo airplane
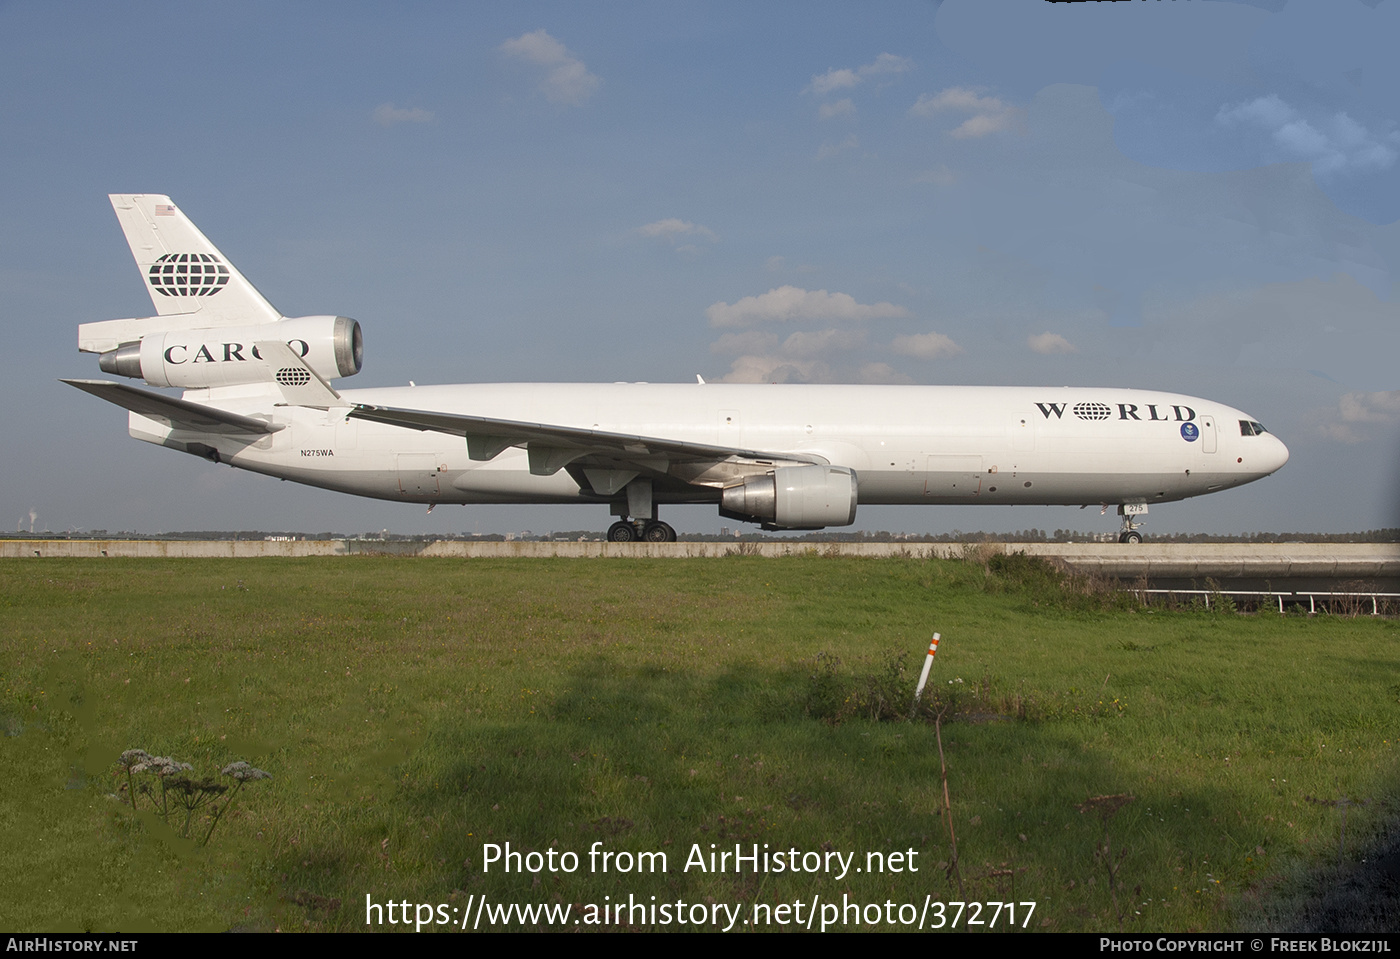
column 257, row 396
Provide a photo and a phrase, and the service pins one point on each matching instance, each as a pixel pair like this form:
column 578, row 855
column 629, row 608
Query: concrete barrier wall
column 1341, row 561
column 462, row 549
column 175, row 549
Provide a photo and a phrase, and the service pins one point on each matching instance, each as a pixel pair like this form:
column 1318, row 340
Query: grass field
column 412, row 711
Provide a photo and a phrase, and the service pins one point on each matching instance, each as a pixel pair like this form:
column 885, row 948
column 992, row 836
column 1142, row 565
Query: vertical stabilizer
column 183, row 271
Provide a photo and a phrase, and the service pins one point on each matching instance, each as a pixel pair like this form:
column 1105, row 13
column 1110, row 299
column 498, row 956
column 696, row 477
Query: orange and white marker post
column 928, row 662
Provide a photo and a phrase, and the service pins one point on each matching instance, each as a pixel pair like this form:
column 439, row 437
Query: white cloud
column 1336, row 146
column 841, row 108
column 787, row 303
column 981, row 125
column 1048, row 343
column 1371, row 407
column 802, row 357
column 670, row 229
column 566, row 79
column 990, row 114
column 963, row 99
column 775, row 369
column 840, row 79
column 749, row 341
column 813, row 343
column 829, row 149
column 926, row 346
column 388, row 115
column 1355, row 410
column 833, row 80
column 886, row 63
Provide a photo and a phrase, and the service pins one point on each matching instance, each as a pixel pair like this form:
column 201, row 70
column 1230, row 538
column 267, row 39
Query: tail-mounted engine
column 225, row 356
column 794, row 497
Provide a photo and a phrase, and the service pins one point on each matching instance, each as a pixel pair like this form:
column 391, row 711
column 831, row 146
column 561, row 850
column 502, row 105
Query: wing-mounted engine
column 794, row 497
column 333, row 346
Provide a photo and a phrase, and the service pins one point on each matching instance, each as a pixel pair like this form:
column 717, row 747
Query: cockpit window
column 1251, row 428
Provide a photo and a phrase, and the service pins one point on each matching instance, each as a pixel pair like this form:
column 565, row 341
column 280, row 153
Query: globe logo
column 293, row 376
column 188, row 274
column 1189, row 432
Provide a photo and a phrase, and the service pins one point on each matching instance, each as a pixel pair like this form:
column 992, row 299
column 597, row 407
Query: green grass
column 412, row 710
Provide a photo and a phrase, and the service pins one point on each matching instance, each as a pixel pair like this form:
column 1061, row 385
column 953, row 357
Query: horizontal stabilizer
column 102, row 336
column 178, row 414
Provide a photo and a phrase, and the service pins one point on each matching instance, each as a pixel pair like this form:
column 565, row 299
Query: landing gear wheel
column 622, row 532
column 659, row 532
column 1128, row 532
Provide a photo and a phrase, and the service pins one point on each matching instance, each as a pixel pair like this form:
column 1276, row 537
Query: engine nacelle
column 794, row 497
column 225, row 356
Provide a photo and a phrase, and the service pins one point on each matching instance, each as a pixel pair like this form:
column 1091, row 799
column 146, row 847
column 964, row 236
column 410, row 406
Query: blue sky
column 1199, row 197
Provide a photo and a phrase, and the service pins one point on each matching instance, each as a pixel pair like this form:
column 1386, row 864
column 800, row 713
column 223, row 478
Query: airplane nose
column 1275, row 456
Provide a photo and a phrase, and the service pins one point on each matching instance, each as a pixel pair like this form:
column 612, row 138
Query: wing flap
column 179, row 414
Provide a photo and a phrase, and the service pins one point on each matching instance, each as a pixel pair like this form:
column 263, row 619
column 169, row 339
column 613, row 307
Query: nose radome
column 1276, row 455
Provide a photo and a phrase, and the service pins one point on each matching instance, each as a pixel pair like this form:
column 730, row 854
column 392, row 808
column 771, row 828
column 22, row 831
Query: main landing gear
column 648, row 531
column 639, row 503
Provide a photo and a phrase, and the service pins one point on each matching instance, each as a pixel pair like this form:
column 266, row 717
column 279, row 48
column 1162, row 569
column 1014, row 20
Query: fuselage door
column 418, row 473
column 952, row 479
column 1208, row 433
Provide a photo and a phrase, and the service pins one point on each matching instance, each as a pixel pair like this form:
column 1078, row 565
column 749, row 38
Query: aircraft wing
column 551, row 448
column 179, row 414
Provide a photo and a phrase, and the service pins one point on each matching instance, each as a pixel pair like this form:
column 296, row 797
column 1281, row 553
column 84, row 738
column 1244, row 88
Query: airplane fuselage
column 906, row 444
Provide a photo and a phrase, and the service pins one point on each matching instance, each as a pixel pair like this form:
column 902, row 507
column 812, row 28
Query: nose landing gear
column 1128, row 533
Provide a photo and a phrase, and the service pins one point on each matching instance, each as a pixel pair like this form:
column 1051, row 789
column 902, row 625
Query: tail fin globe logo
column 291, row 376
column 188, row 274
